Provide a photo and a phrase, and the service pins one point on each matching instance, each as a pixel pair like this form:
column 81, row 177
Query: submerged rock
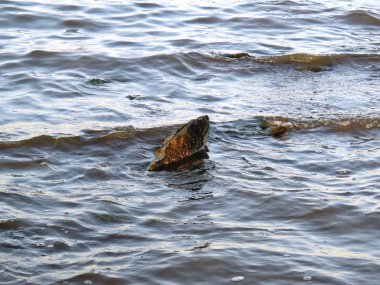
column 98, row 81
column 188, row 141
column 237, row 55
column 275, row 129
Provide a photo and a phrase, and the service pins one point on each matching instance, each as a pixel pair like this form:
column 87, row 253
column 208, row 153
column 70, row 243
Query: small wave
column 37, row 54
column 274, row 125
column 303, row 58
column 89, row 137
column 187, row 65
column 279, row 125
column 84, row 23
column 41, row 140
column 359, row 17
column 206, row 20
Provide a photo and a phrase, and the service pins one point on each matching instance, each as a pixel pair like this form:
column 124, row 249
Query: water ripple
column 289, row 190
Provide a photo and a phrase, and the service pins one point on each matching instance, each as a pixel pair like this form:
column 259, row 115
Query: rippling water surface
column 290, row 191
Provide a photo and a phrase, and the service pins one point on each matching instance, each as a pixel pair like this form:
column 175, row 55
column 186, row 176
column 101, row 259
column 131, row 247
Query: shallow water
column 89, row 89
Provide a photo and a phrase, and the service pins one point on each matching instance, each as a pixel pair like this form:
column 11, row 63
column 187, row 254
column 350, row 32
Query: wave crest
column 303, row 58
column 89, row 137
column 278, row 125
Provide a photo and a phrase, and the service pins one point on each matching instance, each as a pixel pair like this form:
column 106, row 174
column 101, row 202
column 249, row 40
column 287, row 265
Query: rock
column 188, row 141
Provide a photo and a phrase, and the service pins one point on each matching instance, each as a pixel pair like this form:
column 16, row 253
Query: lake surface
column 88, row 91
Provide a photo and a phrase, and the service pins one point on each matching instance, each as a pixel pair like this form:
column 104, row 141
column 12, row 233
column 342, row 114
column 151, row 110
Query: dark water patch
column 33, row 201
column 72, row 31
column 86, row 24
column 39, row 141
column 93, row 278
column 12, row 224
column 98, row 81
column 17, row 164
column 26, row 19
column 185, row 43
column 11, row 8
column 205, row 20
column 5, row 38
column 61, row 142
column 42, row 54
column 96, row 173
column 134, row 97
column 239, row 129
column 192, row 175
column 119, row 44
column 68, row 7
column 314, row 68
column 107, row 218
column 21, row 78
column 62, row 226
column 360, row 17
column 237, row 55
column 264, row 23
column 147, row 5
column 58, row 246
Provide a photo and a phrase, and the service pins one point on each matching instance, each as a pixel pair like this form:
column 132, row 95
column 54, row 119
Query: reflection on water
column 289, row 192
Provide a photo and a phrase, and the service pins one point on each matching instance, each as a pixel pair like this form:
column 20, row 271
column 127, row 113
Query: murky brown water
column 89, row 89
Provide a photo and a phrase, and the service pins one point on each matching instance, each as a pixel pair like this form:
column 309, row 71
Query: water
column 89, row 89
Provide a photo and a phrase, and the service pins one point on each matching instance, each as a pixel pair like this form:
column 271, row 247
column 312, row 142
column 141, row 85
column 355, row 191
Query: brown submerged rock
column 189, row 140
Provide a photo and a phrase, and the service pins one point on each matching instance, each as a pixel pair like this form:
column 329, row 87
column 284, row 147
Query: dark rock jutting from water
column 188, row 141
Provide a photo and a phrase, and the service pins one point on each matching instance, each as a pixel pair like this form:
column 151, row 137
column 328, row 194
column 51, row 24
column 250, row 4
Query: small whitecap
column 50, row 246
column 40, row 244
column 307, row 278
column 286, row 255
column 88, row 282
column 237, row 278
